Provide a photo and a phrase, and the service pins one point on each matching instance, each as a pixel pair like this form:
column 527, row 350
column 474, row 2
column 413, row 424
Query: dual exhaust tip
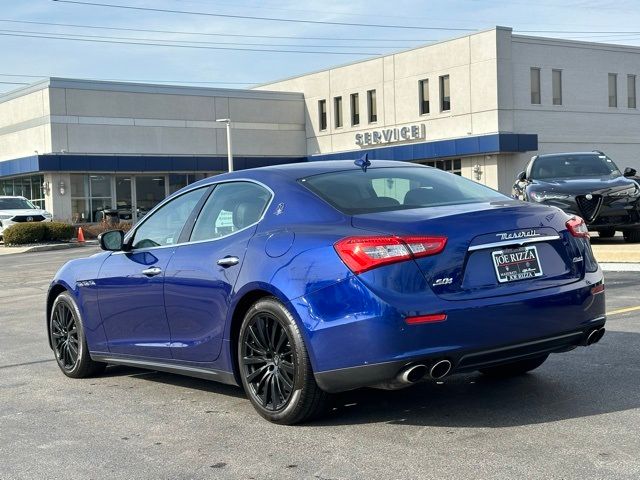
column 594, row 336
column 415, row 373
column 440, row 369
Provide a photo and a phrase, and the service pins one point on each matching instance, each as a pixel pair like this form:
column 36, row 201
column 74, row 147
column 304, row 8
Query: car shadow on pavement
column 173, row 379
column 589, row 381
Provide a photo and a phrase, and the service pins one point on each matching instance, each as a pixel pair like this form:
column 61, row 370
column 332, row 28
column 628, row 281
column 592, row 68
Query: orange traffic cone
column 80, row 235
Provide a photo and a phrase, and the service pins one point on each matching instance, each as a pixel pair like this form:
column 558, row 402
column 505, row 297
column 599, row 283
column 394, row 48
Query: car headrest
column 246, row 213
column 419, row 197
column 378, row 202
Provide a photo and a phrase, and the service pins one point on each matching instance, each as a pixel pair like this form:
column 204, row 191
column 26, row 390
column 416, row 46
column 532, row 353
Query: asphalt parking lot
column 578, row 416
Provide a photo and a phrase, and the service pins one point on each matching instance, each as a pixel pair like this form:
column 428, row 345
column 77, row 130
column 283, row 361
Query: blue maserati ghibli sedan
column 301, row 280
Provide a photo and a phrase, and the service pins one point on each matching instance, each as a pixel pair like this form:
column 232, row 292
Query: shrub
column 93, row 230
column 58, row 231
column 24, row 233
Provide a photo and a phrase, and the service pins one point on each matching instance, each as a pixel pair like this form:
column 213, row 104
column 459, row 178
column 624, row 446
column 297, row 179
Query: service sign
column 391, row 135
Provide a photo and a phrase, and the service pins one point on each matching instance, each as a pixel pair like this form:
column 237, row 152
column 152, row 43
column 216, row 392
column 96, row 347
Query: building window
column 445, row 98
column 423, row 90
column 613, row 90
column 150, row 191
column 535, row 86
column 355, row 109
column 29, row 187
column 180, row 180
column 322, row 114
column 452, row 166
column 556, row 87
column 90, row 197
column 337, row 111
column 631, row 91
column 372, row 106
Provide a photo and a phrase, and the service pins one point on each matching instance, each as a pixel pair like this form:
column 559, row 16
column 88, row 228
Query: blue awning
column 458, row 147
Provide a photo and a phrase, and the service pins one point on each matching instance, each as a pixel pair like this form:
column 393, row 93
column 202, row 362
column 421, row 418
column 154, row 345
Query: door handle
column 228, row 261
column 152, row 271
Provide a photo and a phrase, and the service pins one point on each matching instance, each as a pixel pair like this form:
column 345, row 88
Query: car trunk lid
column 493, row 249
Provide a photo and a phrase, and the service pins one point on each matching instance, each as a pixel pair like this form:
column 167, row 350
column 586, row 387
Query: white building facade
column 78, row 148
column 479, row 106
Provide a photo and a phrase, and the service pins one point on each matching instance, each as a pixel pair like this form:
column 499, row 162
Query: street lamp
column 227, row 122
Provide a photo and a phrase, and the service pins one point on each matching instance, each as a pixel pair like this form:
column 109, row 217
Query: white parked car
column 17, row 210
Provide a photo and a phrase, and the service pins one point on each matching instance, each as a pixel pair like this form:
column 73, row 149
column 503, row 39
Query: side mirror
column 522, row 177
column 111, row 241
column 629, row 172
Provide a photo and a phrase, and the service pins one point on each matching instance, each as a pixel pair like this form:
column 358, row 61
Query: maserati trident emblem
column 588, row 196
column 29, row 219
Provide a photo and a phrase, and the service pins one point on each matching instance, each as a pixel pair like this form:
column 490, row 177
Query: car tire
column 607, row 233
column 66, row 332
column 274, row 365
column 515, row 368
column 631, row 236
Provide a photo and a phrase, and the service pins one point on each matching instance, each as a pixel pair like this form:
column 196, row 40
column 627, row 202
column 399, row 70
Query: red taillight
column 597, row 289
column 577, row 227
column 437, row 317
column 364, row 253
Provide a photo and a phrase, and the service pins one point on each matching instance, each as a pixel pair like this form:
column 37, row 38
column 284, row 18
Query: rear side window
column 231, row 207
column 396, row 188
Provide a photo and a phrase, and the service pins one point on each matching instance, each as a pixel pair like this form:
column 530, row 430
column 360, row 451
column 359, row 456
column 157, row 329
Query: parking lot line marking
column 623, row 310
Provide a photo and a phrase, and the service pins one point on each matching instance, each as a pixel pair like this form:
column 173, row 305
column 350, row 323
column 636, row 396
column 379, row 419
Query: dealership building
column 479, row 106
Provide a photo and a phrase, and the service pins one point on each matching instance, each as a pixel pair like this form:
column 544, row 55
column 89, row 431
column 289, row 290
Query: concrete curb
column 620, row 267
column 46, row 248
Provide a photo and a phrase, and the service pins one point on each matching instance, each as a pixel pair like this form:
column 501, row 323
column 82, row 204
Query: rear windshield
column 574, row 166
column 396, row 188
column 15, row 204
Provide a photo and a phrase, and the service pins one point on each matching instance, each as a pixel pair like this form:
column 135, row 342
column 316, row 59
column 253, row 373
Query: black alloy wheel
column 68, row 342
column 64, row 336
column 631, row 236
column 274, row 366
column 268, row 361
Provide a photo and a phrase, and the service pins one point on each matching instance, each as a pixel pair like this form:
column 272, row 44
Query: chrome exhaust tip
column 595, row 336
column 412, row 374
column 440, row 369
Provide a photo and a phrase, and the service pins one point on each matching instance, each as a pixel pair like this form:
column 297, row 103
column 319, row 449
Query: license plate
column 516, row 264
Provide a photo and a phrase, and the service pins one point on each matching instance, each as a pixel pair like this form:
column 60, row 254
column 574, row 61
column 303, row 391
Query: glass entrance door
column 150, row 190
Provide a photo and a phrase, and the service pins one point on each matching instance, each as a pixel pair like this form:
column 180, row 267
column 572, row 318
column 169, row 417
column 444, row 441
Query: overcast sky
column 52, row 57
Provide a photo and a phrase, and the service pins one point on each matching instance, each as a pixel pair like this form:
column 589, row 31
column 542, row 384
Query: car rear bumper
column 355, row 339
column 462, row 361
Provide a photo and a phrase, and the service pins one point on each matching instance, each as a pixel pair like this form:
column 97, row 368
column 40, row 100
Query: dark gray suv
column 588, row 184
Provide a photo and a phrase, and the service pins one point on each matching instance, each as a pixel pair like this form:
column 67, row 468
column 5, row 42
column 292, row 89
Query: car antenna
column 363, row 162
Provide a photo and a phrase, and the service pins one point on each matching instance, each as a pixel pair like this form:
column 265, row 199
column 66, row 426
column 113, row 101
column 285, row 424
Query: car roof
column 12, row 196
column 303, row 169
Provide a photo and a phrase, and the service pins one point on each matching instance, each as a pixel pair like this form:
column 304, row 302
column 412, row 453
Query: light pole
column 227, row 122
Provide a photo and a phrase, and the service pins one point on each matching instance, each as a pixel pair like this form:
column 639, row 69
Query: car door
column 201, row 274
column 131, row 283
